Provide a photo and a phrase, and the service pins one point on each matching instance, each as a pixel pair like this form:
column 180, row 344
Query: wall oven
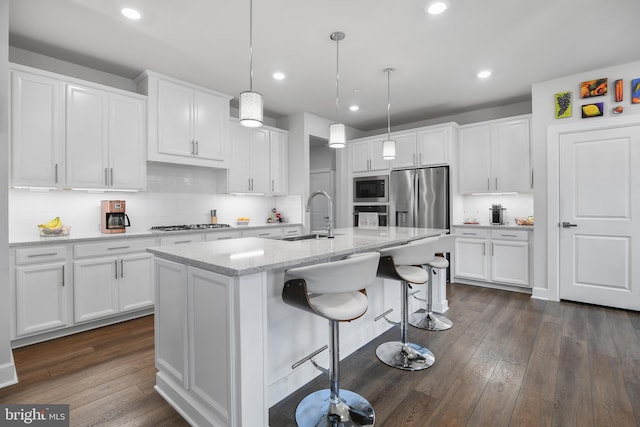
column 371, row 189
column 381, row 210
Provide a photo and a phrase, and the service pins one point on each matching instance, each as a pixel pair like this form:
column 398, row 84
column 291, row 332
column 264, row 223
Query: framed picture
column 563, row 105
column 617, row 85
column 635, row 91
column 592, row 110
column 591, row 88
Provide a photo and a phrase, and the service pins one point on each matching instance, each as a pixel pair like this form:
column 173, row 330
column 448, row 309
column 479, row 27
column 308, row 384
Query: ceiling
column 436, row 58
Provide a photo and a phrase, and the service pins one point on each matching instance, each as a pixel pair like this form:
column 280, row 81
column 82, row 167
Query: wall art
column 563, row 105
column 635, row 91
column 591, row 88
column 618, row 96
column 592, row 110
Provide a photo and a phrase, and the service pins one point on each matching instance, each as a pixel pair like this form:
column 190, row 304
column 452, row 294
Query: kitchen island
column 225, row 341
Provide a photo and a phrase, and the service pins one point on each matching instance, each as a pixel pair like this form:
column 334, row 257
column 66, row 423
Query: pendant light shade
column 251, row 109
column 388, row 146
column 337, row 135
column 250, row 105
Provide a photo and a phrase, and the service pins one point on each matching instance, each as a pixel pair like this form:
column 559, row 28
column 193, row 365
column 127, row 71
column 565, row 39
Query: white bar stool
column 403, row 263
column 335, row 291
column 428, row 319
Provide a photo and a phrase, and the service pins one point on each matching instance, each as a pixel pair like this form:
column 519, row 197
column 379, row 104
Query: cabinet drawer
column 121, row 246
column 182, row 239
column 480, row 233
column 510, row 235
column 264, row 234
column 40, row 254
column 222, row 235
column 291, row 231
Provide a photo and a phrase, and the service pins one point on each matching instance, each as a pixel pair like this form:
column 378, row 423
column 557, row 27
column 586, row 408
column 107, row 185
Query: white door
column 320, row 181
column 127, row 143
column 599, row 208
column 175, row 119
column 209, row 125
column 135, row 287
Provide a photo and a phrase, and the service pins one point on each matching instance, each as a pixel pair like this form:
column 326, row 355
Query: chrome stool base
column 409, row 356
column 430, row 321
column 316, row 410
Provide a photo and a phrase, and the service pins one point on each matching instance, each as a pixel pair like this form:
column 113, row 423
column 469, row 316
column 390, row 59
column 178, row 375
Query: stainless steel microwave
column 368, row 189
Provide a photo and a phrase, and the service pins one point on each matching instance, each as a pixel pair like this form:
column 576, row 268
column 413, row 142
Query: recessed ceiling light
column 354, row 108
column 436, row 7
column 131, row 13
column 278, row 75
column 484, row 74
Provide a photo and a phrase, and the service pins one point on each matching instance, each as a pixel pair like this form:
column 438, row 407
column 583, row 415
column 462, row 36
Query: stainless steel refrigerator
column 419, row 197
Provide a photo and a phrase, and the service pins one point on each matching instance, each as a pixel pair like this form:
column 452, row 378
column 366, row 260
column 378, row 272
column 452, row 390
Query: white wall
column 7, row 369
column 543, row 118
column 175, row 194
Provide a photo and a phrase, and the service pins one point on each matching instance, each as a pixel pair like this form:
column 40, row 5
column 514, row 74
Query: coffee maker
column 114, row 219
column 497, row 214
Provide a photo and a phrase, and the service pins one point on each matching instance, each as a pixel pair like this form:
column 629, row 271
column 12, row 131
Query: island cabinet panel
column 171, row 320
column 206, row 335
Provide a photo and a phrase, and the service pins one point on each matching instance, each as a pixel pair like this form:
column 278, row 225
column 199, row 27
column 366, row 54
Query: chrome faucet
column 330, row 217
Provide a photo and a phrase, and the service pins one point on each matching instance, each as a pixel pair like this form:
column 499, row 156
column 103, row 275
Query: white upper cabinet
column 496, row 157
column 68, row 133
column 105, row 134
column 367, row 156
column 188, row 124
column 424, row 147
column 279, row 161
column 257, row 161
column 37, row 131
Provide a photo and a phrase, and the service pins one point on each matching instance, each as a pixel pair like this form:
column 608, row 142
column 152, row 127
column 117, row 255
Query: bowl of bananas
column 54, row 228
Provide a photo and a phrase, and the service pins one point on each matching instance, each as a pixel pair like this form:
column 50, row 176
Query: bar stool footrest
column 430, row 321
column 316, row 410
column 408, row 357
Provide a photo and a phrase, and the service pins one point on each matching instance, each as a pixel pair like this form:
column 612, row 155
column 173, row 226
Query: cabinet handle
column 470, row 234
column 121, row 268
column 419, row 159
column 116, row 269
column 63, row 276
column 488, row 184
column 197, row 148
column 531, row 178
column 251, row 184
column 224, row 238
column 193, row 147
column 413, row 158
column 272, row 186
column 263, row 234
column 106, row 176
column 496, row 182
column 112, row 176
column 40, row 255
column 55, row 168
column 118, row 247
column 492, row 245
column 182, row 241
column 509, row 235
column 484, row 249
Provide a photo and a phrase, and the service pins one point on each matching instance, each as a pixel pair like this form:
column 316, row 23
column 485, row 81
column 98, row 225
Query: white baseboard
column 8, row 374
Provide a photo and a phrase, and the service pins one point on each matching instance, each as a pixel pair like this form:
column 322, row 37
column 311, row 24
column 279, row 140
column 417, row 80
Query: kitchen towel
column 368, row 219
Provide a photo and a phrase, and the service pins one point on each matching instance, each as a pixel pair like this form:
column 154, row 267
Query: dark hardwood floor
column 508, row 361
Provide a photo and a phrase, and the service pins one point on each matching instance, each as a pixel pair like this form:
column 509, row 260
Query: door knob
column 568, row 225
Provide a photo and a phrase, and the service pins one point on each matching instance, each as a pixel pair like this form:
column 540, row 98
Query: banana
column 54, row 223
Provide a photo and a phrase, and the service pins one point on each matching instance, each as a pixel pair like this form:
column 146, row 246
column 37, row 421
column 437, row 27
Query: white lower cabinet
column 41, row 290
column 492, row 255
column 222, row 235
column 111, row 278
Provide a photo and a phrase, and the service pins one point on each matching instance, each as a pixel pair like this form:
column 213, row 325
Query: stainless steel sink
column 304, row 237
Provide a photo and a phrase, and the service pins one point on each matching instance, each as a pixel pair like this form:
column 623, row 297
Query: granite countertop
column 501, row 227
column 238, row 257
column 32, row 238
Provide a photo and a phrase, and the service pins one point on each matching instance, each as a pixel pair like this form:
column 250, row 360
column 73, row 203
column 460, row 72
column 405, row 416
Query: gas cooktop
column 187, row 227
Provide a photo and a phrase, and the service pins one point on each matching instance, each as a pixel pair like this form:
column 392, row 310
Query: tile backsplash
column 175, row 195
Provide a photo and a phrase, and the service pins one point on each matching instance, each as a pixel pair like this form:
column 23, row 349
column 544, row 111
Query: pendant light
column 337, row 138
column 250, row 102
column 389, row 145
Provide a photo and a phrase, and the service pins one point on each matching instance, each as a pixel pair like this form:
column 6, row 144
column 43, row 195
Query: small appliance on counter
column 113, row 216
column 497, row 214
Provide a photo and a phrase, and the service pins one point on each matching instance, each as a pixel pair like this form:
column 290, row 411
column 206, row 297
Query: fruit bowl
column 54, row 232
column 243, row 220
column 524, row 221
